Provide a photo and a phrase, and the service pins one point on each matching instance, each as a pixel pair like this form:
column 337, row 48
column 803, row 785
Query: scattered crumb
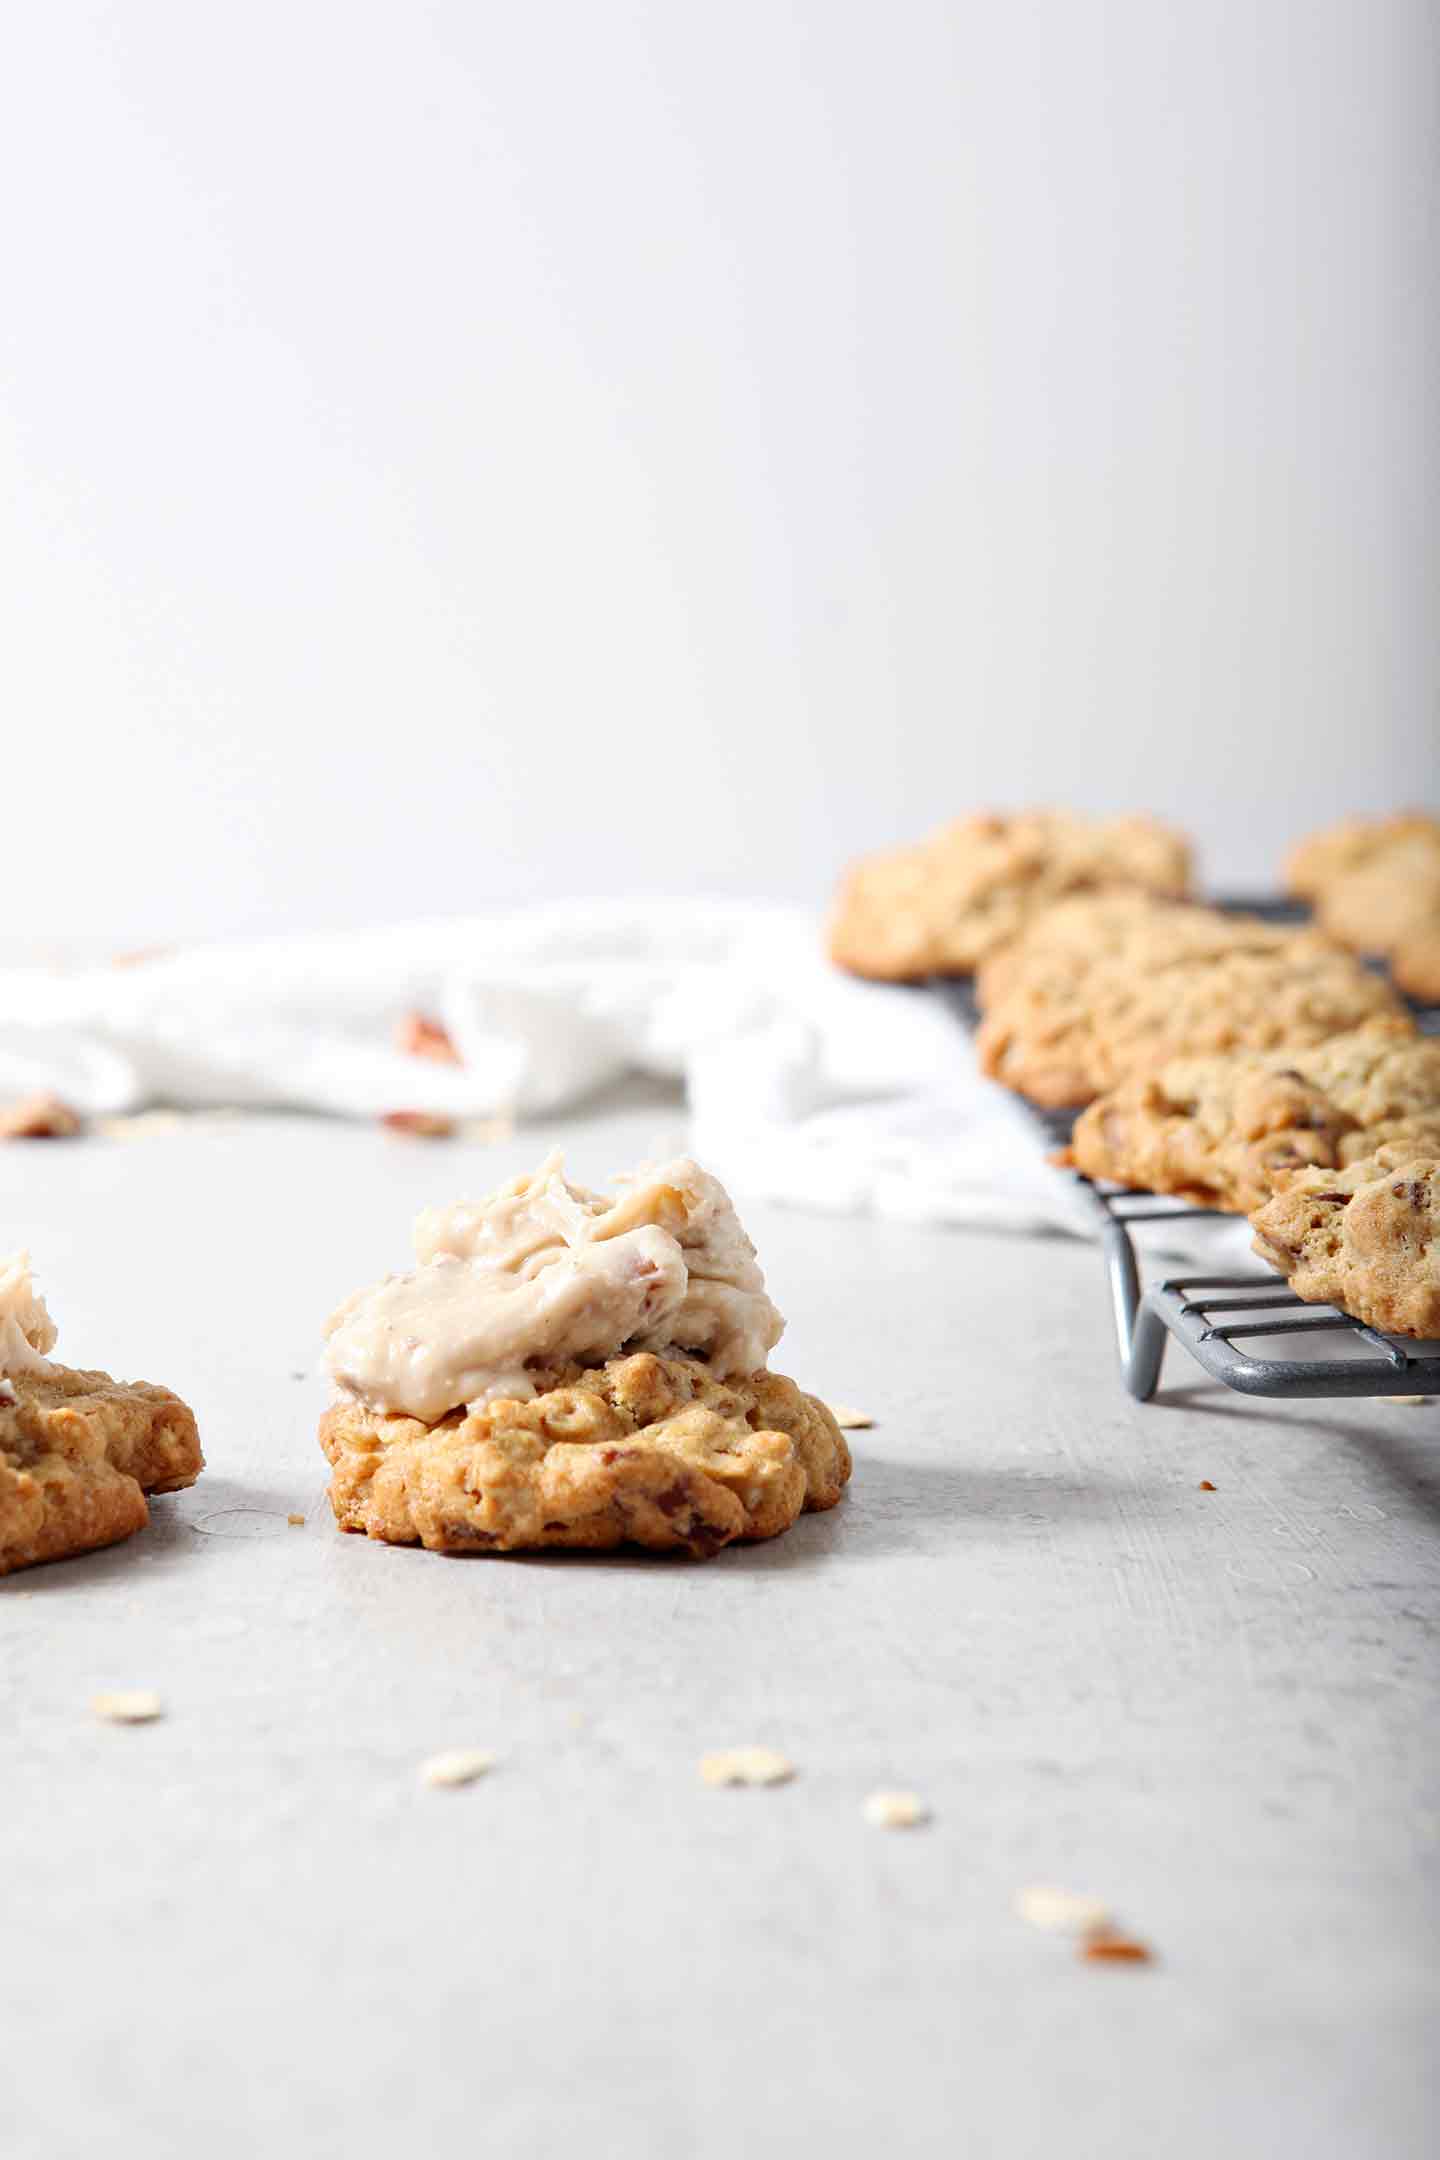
column 1061, row 1911
column 1206, row 1486
column 746, row 1766
column 488, row 1131
column 418, row 1035
column 127, row 1706
column 38, row 1117
column 1409, row 1402
column 419, row 1124
column 1116, row 1950
column 457, row 1766
column 296, row 1522
column 849, row 1420
column 895, row 1810
column 140, row 1125
column 142, row 956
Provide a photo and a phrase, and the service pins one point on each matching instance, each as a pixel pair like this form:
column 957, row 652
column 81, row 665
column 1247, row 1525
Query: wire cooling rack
column 1212, row 1314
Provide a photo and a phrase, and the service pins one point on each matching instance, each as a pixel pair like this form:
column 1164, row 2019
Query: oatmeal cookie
column 1315, row 864
column 942, row 906
column 1062, row 1039
column 78, row 1453
column 1366, row 1239
column 1386, row 1076
column 1222, row 1131
column 1415, row 959
column 642, row 1450
column 1136, row 928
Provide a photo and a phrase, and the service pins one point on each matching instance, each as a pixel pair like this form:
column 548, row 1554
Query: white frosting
column 26, row 1329
column 543, row 1273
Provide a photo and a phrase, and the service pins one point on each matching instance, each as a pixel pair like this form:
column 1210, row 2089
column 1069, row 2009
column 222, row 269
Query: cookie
column 1372, row 909
column 642, row 1450
column 1221, row 1131
column 1358, row 843
column 1077, row 934
column 1415, row 960
column 1062, row 1037
column 78, row 1453
column 1366, row 1239
column 942, row 906
column 1386, row 1076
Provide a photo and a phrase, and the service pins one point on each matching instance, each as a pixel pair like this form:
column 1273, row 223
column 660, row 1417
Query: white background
column 453, row 452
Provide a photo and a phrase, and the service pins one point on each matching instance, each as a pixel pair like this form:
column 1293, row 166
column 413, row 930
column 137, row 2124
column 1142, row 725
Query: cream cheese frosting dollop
column 543, row 1273
column 26, row 1329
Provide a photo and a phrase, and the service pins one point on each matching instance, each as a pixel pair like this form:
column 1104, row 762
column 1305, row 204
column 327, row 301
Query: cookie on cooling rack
column 1221, row 1131
column 1366, row 1239
column 1061, row 1037
column 945, row 904
column 571, row 1370
column 78, row 1450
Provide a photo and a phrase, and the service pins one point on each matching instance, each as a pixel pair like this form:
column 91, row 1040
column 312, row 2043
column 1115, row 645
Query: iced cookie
column 78, row 1450
column 569, row 1369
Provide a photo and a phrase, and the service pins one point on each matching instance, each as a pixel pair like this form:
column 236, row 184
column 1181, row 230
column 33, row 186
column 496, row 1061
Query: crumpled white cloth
column 803, row 1084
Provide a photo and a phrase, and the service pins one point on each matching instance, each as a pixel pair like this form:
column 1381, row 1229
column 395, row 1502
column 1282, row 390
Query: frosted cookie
column 568, row 1369
column 1062, row 1037
column 942, row 906
column 1366, row 1239
column 78, row 1450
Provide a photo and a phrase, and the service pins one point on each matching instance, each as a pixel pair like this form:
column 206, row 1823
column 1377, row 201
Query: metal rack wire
column 1187, row 1306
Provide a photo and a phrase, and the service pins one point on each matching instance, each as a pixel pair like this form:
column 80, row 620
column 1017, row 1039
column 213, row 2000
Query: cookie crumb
column 1206, row 1486
column 1061, row 1912
column 849, row 1420
column 895, row 1810
column 1407, row 1402
column 746, row 1766
column 419, row 1124
column 296, row 1522
column 127, row 1706
column 38, row 1117
column 457, row 1766
column 1116, row 1950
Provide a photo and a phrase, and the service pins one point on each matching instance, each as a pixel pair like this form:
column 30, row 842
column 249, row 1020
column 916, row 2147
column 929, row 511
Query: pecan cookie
column 643, row 1450
column 1222, row 1131
column 78, row 1453
column 1315, row 864
column 1062, row 1038
column 1134, row 928
column 1366, row 1239
column 1386, row 1075
column 942, row 906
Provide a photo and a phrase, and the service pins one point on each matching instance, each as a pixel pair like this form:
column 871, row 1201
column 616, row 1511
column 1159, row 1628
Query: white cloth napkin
column 803, row 1085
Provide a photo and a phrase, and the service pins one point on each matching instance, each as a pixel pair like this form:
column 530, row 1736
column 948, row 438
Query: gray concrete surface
column 248, row 1929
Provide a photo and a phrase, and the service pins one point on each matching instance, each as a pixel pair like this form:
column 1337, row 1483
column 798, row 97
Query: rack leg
column 1139, row 1330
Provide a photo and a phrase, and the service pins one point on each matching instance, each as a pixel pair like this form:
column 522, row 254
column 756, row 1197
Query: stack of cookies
column 1250, row 1066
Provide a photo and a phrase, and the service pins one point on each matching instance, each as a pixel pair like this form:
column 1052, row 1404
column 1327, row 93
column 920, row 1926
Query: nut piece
column 127, row 1706
column 895, row 1810
column 1061, row 1912
column 38, row 1117
column 457, row 1766
column 746, row 1766
column 418, row 1035
column 850, row 1420
column 1116, row 1950
column 419, row 1124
